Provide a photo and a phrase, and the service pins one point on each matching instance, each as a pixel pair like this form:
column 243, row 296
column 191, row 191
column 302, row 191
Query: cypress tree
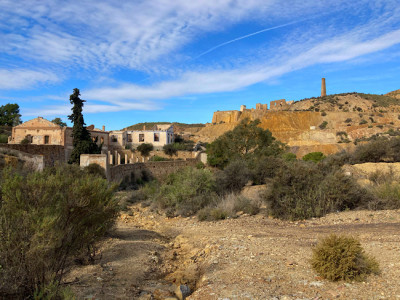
column 82, row 142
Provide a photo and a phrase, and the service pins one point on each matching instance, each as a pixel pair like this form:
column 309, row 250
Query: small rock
column 182, row 291
column 316, row 283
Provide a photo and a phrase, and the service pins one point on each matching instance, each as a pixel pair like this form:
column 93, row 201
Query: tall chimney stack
column 323, row 87
column 103, row 128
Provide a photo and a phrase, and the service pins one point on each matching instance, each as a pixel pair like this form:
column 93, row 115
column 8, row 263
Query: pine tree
column 82, row 142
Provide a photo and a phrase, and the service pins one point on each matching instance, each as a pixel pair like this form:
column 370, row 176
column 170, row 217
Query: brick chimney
column 144, row 127
column 323, row 87
column 103, row 128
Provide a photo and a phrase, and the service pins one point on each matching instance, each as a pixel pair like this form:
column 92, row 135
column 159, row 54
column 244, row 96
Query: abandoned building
column 40, row 131
column 159, row 135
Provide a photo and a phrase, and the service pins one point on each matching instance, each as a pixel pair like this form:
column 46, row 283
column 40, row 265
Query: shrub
column 302, row 190
column 342, row 258
column 170, row 150
column 265, row 168
column 374, row 151
column 46, row 219
column 387, row 195
column 288, row 156
column 3, row 139
column 323, row 113
column 323, row 125
column 145, row 149
column 362, row 122
column 348, row 120
column 227, row 207
column 95, row 169
column 233, row 178
column 158, row 158
column 314, row 157
column 187, row 191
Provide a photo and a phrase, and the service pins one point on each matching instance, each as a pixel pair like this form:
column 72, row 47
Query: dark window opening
column 141, row 137
column 46, row 139
column 156, row 137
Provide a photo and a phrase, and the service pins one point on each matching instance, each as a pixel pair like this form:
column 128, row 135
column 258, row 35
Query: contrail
column 246, row 36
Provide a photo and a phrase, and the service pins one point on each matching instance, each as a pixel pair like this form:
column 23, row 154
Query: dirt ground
column 249, row 257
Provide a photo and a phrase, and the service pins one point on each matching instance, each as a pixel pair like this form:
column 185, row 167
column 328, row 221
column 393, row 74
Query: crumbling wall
column 157, row 170
column 15, row 158
column 52, row 154
column 229, row 116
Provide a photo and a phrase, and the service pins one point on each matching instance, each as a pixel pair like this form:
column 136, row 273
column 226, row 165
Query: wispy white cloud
column 24, row 79
column 336, row 50
column 133, row 34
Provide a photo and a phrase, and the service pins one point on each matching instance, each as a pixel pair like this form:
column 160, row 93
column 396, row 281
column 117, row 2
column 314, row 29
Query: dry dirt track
column 251, row 257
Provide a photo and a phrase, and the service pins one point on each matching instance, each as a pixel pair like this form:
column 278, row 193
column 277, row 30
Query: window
column 102, row 140
column 46, row 139
column 129, row 138
column 156, row 137
column 141, row 137
column 114, row 139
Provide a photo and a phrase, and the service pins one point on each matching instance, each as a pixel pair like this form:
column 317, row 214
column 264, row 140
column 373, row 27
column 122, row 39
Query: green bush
column 145, row 149
column 233, row 178
column 303, row 190
column 158, row 158
column 314, row 157
column 363, row 122
column 348, row 120
column 387, row 195
column 170, row 149
column 288, row 156
column 187, row 191
column 3, row 139
column 95, row 169
column 323, row 125
column 374, row 151
column 342, row 258
column 46, row 219
column 265, row 168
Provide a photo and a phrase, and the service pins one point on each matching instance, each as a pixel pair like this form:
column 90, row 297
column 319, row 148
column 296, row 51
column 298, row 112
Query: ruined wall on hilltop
column 229, row 116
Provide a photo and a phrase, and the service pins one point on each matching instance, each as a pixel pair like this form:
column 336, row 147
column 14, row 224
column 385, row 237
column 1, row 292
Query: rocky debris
column 250, row 257
column 182, row 291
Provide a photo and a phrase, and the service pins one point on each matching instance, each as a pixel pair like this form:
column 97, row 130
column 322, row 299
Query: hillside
column 327, row 124
column 179, row 128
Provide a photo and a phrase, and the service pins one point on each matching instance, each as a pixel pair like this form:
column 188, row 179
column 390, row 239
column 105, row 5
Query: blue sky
column 180, row 60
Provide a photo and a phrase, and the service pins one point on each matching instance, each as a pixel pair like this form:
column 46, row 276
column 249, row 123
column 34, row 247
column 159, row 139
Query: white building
column 159, row 136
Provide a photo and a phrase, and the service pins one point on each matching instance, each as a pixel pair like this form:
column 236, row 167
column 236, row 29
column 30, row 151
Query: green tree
column 145, row 149
column 82, row 142
column 246, row 141
column 9, row 115
column 58, row 121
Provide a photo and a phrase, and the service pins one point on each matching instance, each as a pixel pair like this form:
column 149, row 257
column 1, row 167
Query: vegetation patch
column 339, row 257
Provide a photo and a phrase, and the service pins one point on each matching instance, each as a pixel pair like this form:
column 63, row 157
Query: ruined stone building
column 40, row 131
column 159, row 136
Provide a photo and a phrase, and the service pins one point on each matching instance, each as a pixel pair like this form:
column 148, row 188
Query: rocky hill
column 327, row 124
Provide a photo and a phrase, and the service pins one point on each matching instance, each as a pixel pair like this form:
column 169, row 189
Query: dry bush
column 342, row 258
column 46, row 219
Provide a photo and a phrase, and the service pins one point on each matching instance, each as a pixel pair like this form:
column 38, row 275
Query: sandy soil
column 250, row 257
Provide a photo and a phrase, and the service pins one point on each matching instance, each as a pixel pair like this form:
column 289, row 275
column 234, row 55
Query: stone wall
column 51, row 153
column 230, row 116
column 157, row 169
column 16, row 158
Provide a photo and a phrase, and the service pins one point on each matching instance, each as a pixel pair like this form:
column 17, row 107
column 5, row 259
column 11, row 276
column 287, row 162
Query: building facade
column 40, row 131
